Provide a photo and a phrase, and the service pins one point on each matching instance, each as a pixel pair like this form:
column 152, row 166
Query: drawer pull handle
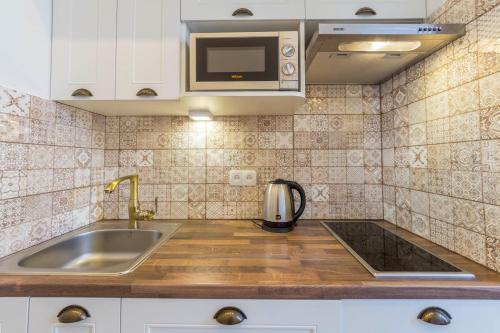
column 366, row 11
column 435, row 316
column 82, row 93
column 230, row 316
column 72, row 314
column 242, row 12
column 146, row 92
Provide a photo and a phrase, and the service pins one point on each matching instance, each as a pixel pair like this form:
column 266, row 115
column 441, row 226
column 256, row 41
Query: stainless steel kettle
column 279, row 213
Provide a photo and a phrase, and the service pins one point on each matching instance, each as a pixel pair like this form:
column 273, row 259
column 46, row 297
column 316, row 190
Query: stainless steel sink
column 100, row 249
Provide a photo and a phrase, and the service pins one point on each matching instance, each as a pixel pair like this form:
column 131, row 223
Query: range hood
column 370, row 53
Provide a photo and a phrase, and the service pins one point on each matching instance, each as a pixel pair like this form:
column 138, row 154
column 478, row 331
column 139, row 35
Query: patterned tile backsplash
column 331, row 146
column 422, row 150
column 441, row 138
column 51, row 169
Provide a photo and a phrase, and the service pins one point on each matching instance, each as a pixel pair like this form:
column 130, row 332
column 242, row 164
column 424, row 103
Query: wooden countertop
column 235, row 259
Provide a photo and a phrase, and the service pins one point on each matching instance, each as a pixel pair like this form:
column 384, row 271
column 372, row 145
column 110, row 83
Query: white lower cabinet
column 103, row 315
column 14, row 314
column 262, row 316
column 400, row 316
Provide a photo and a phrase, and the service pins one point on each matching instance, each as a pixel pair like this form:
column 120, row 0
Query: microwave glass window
column 247, row 59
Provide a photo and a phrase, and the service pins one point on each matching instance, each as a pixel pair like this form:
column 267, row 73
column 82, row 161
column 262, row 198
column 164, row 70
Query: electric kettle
column 279, row 213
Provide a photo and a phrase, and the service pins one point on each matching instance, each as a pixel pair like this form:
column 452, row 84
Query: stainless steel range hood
column 370, row 53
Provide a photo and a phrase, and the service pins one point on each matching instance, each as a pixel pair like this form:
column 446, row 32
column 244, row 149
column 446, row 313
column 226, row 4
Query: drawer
column 396, row 316
column 381, row 9
column 211, row 10
column 14, row 314
column 103, row 315
column 197, row 316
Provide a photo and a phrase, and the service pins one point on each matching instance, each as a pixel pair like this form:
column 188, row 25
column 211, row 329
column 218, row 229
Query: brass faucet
column 135, row 213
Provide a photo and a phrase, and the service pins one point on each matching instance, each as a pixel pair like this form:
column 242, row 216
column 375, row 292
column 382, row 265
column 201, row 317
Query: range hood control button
column 288, row 50
column 288, row 69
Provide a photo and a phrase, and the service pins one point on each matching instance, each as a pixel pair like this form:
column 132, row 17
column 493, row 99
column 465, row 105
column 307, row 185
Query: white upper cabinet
column 74, row 315
column 148, row 49
column 83, row 49
column 14, row 314
column 208, row 10
column 365, row 9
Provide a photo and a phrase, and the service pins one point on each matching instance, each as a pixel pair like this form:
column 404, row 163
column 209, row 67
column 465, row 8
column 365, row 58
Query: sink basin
column 103, row 252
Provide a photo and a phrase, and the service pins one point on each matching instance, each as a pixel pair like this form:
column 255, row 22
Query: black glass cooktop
column 387, row 255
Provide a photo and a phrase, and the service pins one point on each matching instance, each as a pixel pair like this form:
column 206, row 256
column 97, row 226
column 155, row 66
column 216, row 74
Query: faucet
column 135, row 213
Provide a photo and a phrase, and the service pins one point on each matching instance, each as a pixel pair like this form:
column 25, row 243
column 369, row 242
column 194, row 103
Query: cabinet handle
column 242, row 12
column 366, row 11
column 435, row 316
column 72, row 314
column 146, row 92
column 82, row 93
column 230, row 316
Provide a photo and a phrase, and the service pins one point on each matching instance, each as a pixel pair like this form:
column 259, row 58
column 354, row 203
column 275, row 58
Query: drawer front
column 197, row 316
column 207, row 10
column 396, row 316
column 13, row 314
column 104, row 315
column 382, row 9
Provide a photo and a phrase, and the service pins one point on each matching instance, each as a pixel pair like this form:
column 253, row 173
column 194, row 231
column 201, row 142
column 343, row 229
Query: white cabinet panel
column 347, row 9
column 83, row 48
column 196, row 316
column 148, row 48
column 205, row 10
column 104, row 315
column 13, row 315
column 396, row 316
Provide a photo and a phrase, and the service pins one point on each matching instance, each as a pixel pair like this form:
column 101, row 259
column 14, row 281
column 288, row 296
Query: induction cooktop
column 388, row 256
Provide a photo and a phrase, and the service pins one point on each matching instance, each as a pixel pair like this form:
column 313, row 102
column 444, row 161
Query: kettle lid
column 278, row 181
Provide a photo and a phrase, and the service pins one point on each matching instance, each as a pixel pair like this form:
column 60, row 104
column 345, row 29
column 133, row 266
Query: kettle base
column 278, row 227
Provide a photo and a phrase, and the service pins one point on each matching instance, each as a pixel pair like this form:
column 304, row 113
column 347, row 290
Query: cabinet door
column 14, row 315
column 103, row 315
column 360, row 9
column 396, row 316
column 197, row 316
column 148, row 49
column 83, row 49
column 203, row 10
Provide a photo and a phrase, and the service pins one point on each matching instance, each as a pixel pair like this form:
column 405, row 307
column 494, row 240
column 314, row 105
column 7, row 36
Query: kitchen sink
column 109, row 249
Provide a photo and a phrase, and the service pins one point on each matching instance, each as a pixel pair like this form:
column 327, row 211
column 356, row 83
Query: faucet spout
column 135, row 213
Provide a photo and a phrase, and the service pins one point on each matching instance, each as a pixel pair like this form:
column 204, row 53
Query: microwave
column 244, row 61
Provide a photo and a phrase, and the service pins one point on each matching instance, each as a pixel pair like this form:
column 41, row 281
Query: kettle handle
column 302, row 193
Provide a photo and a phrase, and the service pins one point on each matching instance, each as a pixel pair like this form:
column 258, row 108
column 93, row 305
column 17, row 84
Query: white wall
column 25, row 43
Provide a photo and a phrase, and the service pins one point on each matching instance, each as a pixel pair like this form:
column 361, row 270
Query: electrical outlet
column 249, row 178
column 242, row 178
column 236, row 178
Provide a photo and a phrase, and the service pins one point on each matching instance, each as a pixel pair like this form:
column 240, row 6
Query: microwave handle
column 242, row 12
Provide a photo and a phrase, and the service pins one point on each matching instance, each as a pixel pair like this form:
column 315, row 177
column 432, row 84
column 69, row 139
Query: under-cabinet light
column 201, row 115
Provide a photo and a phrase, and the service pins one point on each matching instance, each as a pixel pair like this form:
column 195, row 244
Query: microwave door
column 236, row 63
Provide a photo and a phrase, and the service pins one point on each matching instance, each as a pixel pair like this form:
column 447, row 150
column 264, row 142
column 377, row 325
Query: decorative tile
column 491, row 155
column 466, row 156
column 465, row 127
column 470, row 244
column 467, row 185
column 14, row 102
column 440, row 182
column 441, row 207
column 489, row 91
column 469, row 215
column 492, row 219
column 491, row 188
column 493, row 253
column 420, row 225
column 490, row 123
column 439, row 156
column 442, row 233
